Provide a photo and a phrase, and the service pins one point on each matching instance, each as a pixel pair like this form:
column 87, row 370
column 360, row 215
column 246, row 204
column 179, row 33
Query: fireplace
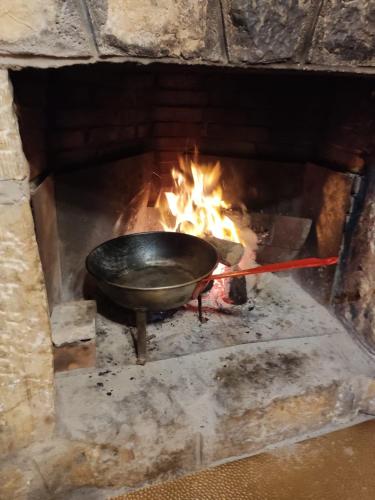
column 89, row 142
column 102, row 141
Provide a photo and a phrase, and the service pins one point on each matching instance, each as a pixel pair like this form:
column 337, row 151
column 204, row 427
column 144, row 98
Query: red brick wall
column 236, row 115
column 348, row 140
column 84, row 114
column 98, row 113
column 88, row 114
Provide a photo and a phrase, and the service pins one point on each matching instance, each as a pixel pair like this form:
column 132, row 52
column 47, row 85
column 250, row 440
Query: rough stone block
column 344, row 34
column 162, row 28
column 13, row 164
column 26, row 377
column 43, row 27
column 260, row 32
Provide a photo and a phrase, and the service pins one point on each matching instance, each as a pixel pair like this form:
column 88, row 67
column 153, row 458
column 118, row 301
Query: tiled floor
column 340, row 465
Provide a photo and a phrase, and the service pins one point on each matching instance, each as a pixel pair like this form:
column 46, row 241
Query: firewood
column 230, row 253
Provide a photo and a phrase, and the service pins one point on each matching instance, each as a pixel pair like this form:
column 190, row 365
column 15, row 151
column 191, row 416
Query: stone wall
column 26, row 383
column 308, row 34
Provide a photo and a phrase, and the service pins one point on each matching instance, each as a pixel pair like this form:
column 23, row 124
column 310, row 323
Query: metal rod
column 200, row 314
column 141, row 346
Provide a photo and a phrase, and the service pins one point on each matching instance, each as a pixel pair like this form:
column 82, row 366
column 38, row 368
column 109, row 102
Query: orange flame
column 196, row 202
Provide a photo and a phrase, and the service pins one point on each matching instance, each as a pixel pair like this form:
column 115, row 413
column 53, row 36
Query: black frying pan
column 153, row 271
column 157, row 271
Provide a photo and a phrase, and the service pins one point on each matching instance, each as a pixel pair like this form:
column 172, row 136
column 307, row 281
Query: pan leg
column 141, row 337
column 200, row 314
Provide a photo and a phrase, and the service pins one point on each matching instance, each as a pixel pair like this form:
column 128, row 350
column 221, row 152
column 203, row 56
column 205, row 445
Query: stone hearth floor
column 277, row 309
column 183, row 412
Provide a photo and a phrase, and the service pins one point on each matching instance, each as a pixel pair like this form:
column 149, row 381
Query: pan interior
column 152, row 260
column 154, row 276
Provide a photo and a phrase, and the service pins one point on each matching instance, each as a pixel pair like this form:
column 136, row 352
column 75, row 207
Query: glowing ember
column 196, row 202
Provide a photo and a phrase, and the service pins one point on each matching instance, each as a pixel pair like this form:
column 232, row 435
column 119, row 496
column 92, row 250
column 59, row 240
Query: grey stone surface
column 98, row 214
column 73, row 321
column 345, row 33
column 158, row 28
column 277, row 309
column 263, row 32
column 44, row 27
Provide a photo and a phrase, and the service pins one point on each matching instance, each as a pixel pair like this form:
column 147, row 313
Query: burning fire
column 196, row 202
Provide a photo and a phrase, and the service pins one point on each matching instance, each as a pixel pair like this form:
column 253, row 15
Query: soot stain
column 260, row 370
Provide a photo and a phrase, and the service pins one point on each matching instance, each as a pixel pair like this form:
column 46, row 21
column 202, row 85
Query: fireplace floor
column 218, row 394
column 277, row 308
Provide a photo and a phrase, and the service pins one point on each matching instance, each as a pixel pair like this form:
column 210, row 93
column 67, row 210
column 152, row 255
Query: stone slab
column 162, row 28
column 73, row 321
column 13, row 164
column 265, row 32
column 177, row 415
column 44, row 27
column 344, row 34
column 26, row 377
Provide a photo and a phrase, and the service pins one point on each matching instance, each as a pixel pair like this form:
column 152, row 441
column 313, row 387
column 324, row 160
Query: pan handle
column 268, row 268
column 279, row 266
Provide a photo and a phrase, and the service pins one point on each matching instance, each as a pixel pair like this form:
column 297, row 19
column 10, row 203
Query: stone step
column 140, row 424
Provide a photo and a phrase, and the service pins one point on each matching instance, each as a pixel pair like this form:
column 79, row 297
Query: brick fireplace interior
column 293, row 145
column 295, row 149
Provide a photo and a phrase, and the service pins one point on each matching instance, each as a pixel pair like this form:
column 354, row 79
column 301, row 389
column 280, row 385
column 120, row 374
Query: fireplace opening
column 266, row 166
column 102, row 142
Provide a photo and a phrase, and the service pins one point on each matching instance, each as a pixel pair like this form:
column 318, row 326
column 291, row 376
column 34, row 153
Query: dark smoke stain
column 260, row 370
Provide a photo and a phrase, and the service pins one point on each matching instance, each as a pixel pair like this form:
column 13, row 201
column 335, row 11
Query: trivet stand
column 141, row 337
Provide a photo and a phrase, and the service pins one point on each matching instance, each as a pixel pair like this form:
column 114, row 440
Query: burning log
column 230, row 253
